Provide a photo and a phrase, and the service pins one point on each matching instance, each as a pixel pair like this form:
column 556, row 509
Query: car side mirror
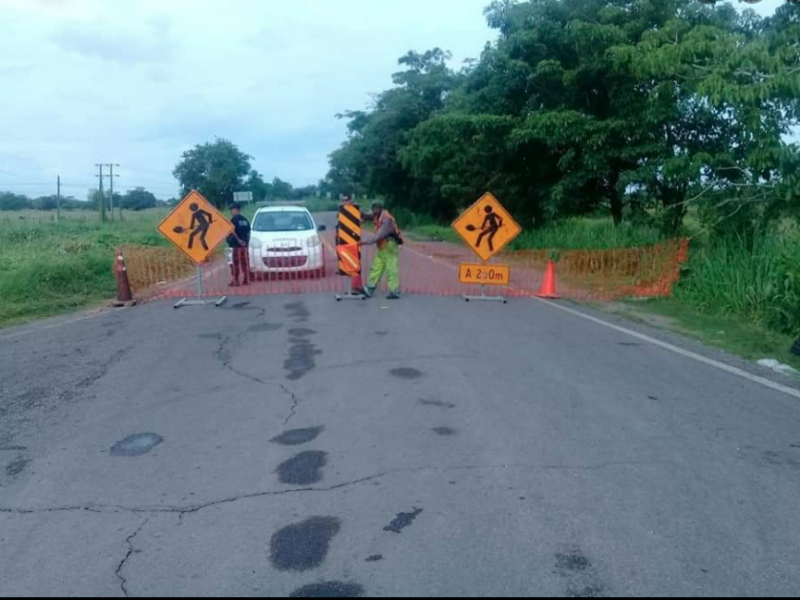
column 322, row 228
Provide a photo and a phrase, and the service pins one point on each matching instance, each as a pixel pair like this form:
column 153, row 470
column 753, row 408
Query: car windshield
column 277, row 222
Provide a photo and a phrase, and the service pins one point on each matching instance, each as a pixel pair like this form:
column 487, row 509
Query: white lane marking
column 53, row 326
column 680, row 351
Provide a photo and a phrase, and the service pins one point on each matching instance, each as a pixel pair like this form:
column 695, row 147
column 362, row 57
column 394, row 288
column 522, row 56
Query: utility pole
column 111, row 176
column 58, row 201
column 102, row 196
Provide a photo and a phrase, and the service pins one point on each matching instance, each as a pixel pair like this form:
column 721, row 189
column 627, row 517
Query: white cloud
column 137, row 82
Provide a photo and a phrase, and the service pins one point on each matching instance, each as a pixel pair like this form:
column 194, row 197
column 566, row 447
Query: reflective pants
column 386, row 261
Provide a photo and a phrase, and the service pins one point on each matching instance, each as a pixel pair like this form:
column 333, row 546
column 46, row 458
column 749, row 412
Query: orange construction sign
column 487, row 227
column 196, row 227
column 485, row 274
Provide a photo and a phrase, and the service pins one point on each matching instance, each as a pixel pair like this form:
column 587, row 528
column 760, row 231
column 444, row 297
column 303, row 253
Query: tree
column 46, row 203
column 281, row 190
column 138, row 200
column 256, row 184
column 369, row 162
column 215, row 170
column 9, row 201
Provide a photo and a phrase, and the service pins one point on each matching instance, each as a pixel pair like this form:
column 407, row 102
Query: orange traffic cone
column 549, row 285
column 124, row 294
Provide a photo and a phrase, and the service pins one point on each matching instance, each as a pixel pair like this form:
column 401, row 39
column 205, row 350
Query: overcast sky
column 138, row 82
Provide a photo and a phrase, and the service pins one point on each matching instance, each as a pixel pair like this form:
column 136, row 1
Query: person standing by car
column 387, row 259
column 239, row 242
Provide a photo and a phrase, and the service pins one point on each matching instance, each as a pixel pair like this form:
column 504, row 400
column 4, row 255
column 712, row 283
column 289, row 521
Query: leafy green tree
column 281, row 190
column 138, row 200
column 9, row 201
column 256, row 184
column 216, row 170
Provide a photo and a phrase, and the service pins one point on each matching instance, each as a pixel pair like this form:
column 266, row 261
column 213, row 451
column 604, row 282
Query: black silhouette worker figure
column 201, row 223
column 491, row 225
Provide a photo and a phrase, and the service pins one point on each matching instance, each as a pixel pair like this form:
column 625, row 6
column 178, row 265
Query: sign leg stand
column 484, row 298
column 201, row 301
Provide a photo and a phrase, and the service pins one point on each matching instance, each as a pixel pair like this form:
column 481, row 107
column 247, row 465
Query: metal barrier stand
column 350, row 295
column 201, row 301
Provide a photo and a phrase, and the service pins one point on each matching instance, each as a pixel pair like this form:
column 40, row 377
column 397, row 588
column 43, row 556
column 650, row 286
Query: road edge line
column 768, row 383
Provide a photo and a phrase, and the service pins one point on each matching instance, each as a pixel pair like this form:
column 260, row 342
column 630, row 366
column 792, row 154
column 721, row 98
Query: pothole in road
column 136, row 445
column 303, row 469
column 298, row 437
column 330, row 590
column 304, row 546
column 406, row 373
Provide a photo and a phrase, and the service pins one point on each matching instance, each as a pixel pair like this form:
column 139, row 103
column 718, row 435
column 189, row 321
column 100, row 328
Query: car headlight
column 315, row 242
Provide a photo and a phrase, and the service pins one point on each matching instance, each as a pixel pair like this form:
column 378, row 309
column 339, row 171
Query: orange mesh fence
column 430, row 268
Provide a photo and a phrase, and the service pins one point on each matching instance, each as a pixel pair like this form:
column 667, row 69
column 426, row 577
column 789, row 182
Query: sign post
column 486, row 228
column 196, row 227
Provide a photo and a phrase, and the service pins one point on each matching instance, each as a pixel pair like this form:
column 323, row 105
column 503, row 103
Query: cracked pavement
column 545, row 456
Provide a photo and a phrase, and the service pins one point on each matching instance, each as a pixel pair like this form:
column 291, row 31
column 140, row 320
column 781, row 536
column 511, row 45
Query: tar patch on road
column 303, row 547
column 303, row 469
column 445, row 431
column 437, row 404
column 572, row 563
column 301, row 332
column 298, row 437
column 266, row 327
column 580, row 574
column 406, row 373
column 302, row 359
column 15, row 468
column 136, row 445
column 403, row 521
column 297, row 311
column 330, row 590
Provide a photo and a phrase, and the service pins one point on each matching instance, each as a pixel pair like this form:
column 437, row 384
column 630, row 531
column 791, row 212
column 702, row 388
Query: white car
column 285, row 240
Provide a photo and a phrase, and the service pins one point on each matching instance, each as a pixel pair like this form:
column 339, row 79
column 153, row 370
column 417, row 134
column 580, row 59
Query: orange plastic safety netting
column 430, row 268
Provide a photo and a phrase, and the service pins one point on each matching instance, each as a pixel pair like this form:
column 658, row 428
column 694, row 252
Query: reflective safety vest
column 378, row 224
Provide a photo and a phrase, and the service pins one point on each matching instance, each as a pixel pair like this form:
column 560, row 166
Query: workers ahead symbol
column 487, row 227
column 196, row 227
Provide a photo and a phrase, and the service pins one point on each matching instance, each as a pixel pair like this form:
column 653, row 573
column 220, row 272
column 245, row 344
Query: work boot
column 393, row 296
column 369, row 291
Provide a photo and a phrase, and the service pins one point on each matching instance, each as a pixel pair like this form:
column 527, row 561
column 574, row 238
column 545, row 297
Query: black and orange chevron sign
column 348, row 233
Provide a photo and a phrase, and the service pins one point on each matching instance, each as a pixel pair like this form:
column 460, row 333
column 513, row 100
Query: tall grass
column 759, row 283
column 47, row 268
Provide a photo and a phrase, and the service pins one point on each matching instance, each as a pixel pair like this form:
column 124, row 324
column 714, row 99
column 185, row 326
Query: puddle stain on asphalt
column 303, row 469
column 298, row 437
column 136, row 445
column 374, row 559
column 301, row 332
column 403, row 520
column 406, row 373
column 331, row 589
column 304, row 546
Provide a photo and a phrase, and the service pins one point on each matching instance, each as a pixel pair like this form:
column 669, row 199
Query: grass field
column 47, row 269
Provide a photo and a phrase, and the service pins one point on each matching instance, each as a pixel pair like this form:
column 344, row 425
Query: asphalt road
column 293, row 445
